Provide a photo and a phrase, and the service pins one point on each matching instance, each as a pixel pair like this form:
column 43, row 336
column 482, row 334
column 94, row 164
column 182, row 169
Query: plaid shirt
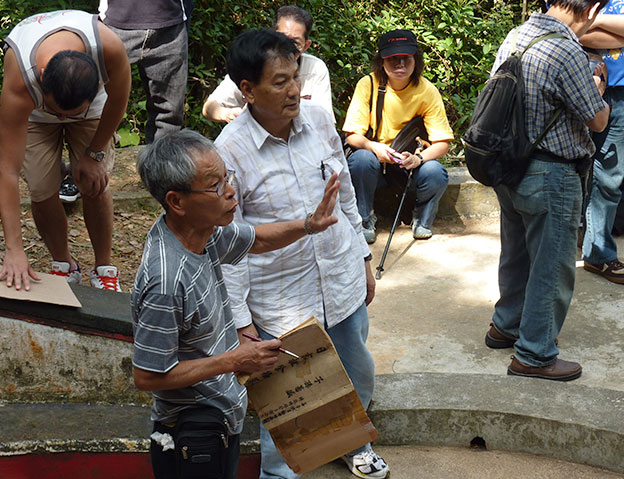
column 556, row 73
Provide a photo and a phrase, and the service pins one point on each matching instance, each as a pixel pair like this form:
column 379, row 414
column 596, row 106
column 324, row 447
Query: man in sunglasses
column 66, row 80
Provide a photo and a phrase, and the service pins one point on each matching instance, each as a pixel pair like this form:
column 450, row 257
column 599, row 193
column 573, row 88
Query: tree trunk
column 524, row 10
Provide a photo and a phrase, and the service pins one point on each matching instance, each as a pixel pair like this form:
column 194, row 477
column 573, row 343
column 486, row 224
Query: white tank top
column 25, row 39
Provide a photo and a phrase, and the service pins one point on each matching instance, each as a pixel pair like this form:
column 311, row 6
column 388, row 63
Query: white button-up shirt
column 320, row 275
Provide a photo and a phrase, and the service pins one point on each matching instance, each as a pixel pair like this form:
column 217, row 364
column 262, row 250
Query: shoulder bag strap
column 381, row 93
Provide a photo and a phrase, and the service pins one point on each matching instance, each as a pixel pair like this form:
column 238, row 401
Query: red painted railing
column 96, row 466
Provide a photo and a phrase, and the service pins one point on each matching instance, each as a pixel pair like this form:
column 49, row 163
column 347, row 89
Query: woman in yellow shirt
column 398, row 65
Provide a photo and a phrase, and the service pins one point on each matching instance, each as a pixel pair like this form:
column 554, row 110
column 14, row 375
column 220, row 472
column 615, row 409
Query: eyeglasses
column 66, row 117
column 220, row 188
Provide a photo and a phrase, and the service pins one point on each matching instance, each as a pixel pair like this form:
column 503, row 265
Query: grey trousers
column 162, row 58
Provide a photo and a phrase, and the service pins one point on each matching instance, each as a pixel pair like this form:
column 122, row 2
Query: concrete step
column 411, row 462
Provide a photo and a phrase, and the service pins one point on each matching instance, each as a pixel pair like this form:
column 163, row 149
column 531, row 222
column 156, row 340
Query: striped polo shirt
column 181, row 311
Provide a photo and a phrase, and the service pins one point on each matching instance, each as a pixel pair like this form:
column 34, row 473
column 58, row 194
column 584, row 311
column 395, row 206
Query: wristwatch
column 96, row 155
column 307, row 227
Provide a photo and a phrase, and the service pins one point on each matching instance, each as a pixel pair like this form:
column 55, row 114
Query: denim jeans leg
column 162, row 58
column 429, row 182
column 164, row 70
column 272, row 464
column 599, row 246
column 364, row 168
column 513, row 266
column 349, row 338
column 548, row 200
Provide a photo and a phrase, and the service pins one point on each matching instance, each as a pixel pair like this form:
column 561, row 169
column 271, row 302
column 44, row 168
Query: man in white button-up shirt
column 283, row 153
column 226, row 102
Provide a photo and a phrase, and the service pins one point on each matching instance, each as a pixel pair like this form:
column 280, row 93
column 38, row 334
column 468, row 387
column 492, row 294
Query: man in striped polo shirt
column 186, row 346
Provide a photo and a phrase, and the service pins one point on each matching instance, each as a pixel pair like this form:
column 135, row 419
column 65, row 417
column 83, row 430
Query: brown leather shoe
column 496, row 340
column 613, row 271
column 560, row 370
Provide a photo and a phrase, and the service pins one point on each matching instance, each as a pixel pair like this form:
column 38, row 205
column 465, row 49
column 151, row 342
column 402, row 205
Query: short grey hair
column 168, row 164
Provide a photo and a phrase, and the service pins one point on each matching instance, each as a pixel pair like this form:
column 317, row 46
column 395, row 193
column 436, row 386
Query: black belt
column 582, row 164
column 545, row 155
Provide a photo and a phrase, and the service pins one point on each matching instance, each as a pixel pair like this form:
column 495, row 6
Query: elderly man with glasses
column 66, row 80
column 186, row 346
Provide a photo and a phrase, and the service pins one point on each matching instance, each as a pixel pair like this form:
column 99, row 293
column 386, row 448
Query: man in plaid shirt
column 540, row 217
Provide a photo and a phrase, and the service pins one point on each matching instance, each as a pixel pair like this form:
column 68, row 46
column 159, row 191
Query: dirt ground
column 130, row 227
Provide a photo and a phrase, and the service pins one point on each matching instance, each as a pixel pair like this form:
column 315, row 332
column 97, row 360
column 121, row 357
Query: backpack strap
column 559, row 110
column 547, row 128
column 547, row 36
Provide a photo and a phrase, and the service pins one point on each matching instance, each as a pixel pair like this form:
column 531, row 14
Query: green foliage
column 459, row 39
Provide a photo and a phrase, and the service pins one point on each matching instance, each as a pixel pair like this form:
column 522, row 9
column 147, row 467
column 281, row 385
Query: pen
column 281, row 350
column 322, row 169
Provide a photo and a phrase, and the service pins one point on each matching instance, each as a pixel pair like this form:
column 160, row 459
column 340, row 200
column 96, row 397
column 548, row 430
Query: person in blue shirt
column 599, row 247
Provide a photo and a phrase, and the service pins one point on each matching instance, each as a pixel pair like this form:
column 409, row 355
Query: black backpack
column 496, row 145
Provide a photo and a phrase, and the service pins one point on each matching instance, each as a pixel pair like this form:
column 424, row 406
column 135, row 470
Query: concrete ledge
column 467, row 198
column 464, row 198
column 560, row 420
column 103, row 312
column 33, row 428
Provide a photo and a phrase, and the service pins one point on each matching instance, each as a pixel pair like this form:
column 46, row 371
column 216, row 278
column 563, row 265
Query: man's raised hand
column 322, row 218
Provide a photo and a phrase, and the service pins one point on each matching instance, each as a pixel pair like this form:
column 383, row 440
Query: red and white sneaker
column 62, row 268
column 105, row 277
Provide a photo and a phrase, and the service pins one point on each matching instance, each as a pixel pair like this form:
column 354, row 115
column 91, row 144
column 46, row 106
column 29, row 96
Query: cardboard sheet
column 51, row 289
column 309, row 404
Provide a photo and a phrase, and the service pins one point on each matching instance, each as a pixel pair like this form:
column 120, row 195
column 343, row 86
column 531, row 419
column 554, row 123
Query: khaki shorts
column 44, row 147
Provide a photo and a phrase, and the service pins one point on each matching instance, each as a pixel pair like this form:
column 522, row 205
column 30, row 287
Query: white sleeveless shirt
column 25, row 39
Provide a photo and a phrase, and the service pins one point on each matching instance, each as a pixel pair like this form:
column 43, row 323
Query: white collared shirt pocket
column 332, row 165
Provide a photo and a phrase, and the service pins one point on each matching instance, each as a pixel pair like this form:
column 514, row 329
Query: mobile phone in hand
column 395, row 156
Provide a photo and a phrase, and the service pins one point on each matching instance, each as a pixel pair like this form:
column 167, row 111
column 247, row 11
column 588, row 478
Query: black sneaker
column 68, row 192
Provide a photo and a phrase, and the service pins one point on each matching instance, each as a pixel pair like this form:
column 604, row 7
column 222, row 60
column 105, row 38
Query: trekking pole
column 394, row 225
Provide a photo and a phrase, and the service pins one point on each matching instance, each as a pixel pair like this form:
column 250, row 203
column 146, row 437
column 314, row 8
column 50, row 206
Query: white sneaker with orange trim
column 63, row 268
column 105, row 277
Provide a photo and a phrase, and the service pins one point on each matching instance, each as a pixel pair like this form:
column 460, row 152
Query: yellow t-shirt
column 398, row 109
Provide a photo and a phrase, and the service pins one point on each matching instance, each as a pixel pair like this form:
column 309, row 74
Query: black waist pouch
column 201, row 443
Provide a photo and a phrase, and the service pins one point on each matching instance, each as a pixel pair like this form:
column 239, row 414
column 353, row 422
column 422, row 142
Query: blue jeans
column 536, row 273
column 429, row 182
column 598, row 244
column 162, row 58
column 349, row 338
